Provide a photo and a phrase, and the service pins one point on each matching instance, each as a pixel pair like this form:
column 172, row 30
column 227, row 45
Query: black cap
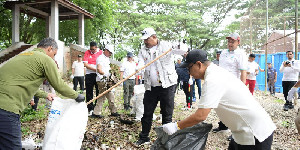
column 79, row 55
column 218, row 52
column 194, row 56
column 129, row 54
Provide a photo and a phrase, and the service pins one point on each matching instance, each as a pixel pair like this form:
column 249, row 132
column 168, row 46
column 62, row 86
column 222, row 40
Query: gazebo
column 52, row 11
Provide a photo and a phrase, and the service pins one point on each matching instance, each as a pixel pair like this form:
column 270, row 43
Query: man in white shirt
column 252, row 72
column 102, row 71
column 78, row 72
column 128, row 67
column 250, row 124
column 290, row 70
column 233, row 60
column 160, row 80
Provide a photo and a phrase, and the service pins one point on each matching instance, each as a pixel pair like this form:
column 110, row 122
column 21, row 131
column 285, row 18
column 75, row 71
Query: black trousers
column 264, row 145
column 90, row 83
column 287, row 85
column 79, row 79
column 188, row 91
column 10, row 131
column 151, row 98
column 36, row 101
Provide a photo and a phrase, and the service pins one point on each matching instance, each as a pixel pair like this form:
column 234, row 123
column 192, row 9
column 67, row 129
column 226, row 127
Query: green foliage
column 29, row 114
column 25, row 131
column 32, row 29
column 285, row 124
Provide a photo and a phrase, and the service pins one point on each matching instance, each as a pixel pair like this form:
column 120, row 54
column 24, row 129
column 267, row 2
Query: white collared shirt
column 128, row 68
column 104, row 62
column 234, row 61
column 78, row 68
column 252, row 66
column 235, row 106
column 290, row 73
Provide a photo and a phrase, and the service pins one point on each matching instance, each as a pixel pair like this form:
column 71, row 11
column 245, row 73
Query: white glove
column 191, row 81
column 291, row 93
column 170, row 128
column 71, row 77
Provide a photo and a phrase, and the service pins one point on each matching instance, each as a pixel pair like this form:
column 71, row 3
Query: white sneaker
column 90, row 113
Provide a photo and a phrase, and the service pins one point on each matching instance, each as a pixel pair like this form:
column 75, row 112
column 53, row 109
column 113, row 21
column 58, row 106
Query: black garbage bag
column 192, row 138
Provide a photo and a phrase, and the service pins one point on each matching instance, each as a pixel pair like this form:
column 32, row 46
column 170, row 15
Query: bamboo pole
column 108, row 90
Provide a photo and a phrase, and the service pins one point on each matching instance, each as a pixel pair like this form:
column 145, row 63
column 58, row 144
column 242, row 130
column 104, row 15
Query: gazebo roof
column 42, row 9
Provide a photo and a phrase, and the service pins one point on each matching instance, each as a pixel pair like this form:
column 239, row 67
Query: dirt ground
column 110, row 133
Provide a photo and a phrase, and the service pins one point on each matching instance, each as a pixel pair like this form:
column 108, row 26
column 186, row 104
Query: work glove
column 291, row 93
column 170, row 128
column 71, row 77
column 80, row 98
column 191, row 81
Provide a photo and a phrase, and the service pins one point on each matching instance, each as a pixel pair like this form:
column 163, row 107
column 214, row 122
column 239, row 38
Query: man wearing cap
column 90, row 57
column 160, row 80
column 235, row 61
column 250, row 124
column 20, row 79
column 127, row 68
column 216, row 61
column 78, row 72
column 103, row 68
column 271, row 78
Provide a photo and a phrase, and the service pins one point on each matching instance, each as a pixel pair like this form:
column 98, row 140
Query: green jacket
column 21, row 77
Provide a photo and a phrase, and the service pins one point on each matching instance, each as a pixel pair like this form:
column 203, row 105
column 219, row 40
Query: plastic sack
column 137, row 101
column 66, row 125
column 189, row 138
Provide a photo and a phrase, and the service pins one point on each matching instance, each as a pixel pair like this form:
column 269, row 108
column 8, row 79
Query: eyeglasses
column 189, row 67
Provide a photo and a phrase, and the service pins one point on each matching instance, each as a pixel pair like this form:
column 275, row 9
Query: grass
column 29, row 114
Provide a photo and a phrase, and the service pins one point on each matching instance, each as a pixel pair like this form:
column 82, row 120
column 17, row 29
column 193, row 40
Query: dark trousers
column 10, row 131
column 151, row 98
column 287, row 85
column 90, row 83
column 188, row 91
column 264, row 145
column 36, row 101
column 198, row 82
column 79, row 79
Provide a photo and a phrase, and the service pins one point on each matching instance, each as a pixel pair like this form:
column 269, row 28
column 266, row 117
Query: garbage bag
column 192, row 138
column 66, row 125
column 137, row 101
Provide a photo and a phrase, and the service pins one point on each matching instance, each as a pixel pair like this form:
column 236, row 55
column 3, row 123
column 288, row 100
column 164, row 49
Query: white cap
column 233, row 36
column 110, row 48
column 147, row 32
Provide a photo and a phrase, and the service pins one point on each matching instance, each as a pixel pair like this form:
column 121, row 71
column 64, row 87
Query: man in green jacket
column 20, row 79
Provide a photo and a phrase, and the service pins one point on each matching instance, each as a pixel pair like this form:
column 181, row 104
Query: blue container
column 276, row 60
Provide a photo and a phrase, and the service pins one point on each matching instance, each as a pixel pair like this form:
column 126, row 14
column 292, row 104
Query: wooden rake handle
column 108, row 90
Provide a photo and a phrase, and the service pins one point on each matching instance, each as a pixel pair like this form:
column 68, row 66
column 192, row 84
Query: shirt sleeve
column 55, row 80
column 41, row 94
column 180, row 51
column 122, row 67
column 211, row 95
column 73, row 65
column 140, row 60
column 243, row 61
column 86, row 56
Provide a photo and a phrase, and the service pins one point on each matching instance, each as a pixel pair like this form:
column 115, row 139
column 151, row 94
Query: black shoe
column 285, row 107
column 142, row 142
column 218, row 129
column 229, row 138
column 96, row 116
column 291, row 106
column 115, row 114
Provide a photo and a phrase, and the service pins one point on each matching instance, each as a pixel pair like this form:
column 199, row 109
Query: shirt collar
column 39, row 50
